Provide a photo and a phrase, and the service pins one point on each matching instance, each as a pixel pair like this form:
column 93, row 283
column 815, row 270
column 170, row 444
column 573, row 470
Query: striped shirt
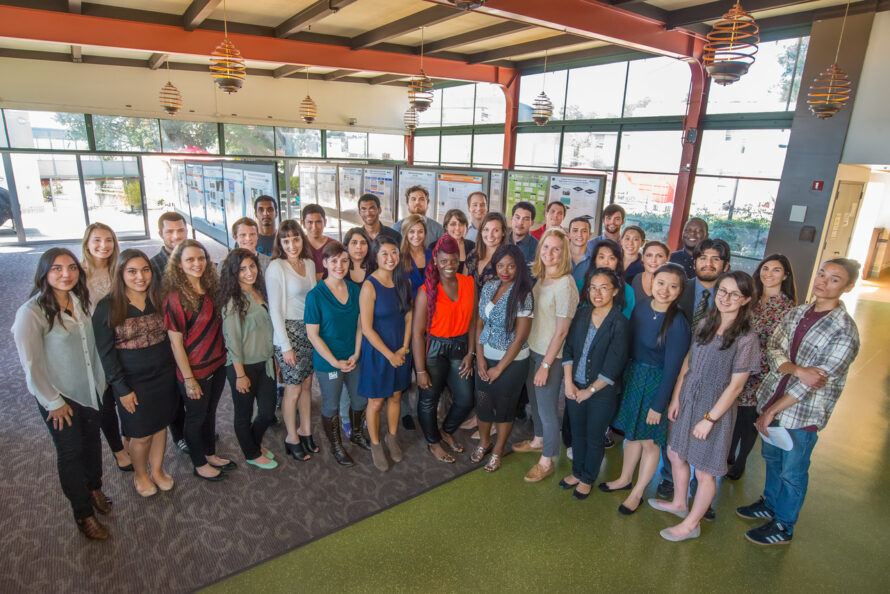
column 201, row 335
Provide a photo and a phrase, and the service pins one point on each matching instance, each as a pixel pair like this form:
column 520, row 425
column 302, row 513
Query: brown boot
column 331, row 426
column 92, row 529
column 357, row 431
column 101, row 503
column 379, row 457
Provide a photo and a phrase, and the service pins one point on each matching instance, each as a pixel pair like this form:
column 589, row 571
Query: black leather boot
column 331, row 426
column 357, row 429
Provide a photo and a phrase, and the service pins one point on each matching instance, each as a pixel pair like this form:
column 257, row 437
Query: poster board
column 379, row 181
column 233, row 193
column 453, row 188
column 524, row 186
column 259, row 180
column 415, row 177
column 582, row 194
column 496, row 192
column 350, row 192
column 307, row 190
column 326, row 186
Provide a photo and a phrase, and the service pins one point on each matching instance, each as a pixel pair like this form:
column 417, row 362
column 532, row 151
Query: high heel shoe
column 308, row 443
column 297, row 450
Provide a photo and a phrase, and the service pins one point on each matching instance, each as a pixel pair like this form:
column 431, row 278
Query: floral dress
column 765, row 318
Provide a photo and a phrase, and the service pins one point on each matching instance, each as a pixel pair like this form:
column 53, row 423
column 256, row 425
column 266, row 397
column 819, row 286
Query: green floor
column 496, row 533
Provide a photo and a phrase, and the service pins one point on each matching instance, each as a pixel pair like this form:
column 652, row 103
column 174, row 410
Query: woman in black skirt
column 135, row 352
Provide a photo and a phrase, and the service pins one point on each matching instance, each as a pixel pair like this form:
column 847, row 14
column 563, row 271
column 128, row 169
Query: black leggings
column 442, row 364
column 111, row 427
column 78, row 456
column 744, row 435
column 496, row 402
column 263, row 391
column 200, row 416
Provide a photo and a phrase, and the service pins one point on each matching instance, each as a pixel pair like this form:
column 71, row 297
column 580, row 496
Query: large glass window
column 49, row 195
column 456, row 149
column 771, row 84
column 596, row 91
column 178, row 136
column 457, row 105
column 248, row 139
column 119, row 133
column 433, row 116
column 589, row 150
column 488, row 150
column 551, row 83
column 537, row 150
column 651, row 151
column 114, row 194
column 347, row 145
column 426, row 149
column 648, row 199
column 297, row 142
column 3, row 141
column 386, row 146
column 491, row 105
column 746, row 153
column 46, row 130
column 656, row 87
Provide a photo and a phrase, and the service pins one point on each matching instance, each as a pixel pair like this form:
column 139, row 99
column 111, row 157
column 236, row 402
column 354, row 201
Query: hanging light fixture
column 170, row 97
column 467, row 4
column 308, row 109
column 226, row 64
column 410, row 118
column 542, row 109
column 831, row 90
column 732, row 44
column 420, row 89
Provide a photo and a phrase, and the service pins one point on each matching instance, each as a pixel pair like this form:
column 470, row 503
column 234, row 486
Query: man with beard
column 369, row 211
column 711, row 257
column 173, row 231
column 265, row 209
column 613, row 220
column 418, row 200
column 694, row 232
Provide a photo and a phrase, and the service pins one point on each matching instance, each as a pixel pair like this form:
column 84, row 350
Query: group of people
column 683, row 357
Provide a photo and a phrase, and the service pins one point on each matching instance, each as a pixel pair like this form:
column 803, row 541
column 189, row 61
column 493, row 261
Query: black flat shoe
column 605, row 488
column 127, row 468
column 626, row 511
column 230, row 465
column 580, row 496
column 212, row 479
column 297, row 450
column 408, row 423
column 308, row 444
column 733, row 476
column 564, row 485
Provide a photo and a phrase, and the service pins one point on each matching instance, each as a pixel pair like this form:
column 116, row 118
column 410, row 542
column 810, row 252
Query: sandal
column 494, row 462
column 454, row 445
column 446, row 457
column 480, row 452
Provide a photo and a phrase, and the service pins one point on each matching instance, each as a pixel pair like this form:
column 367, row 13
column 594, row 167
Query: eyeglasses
column 602, row 289
column 733, row 296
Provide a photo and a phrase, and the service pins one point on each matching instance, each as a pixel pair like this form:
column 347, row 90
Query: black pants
column 262, row 390
column 744, row 435
column 78, row 456
column 111, row 427
column 200, row 416
column 588, row 421
column 177, row 427
column 496, row 401
column 442, row 364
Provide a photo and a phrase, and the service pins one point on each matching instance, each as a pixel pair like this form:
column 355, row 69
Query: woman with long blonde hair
column 414, row 254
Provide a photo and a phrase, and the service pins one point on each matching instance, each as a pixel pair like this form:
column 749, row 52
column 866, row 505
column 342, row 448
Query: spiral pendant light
column 226, row 64
column 308, row 109
column 832, row 89
column 410, row 119
column 732, row 44
column 542, row 108
column 170, row 97
column 420, row 88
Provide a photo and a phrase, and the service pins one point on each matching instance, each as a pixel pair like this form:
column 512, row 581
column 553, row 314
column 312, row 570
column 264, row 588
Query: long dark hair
column 788, row 288
column 522, row 282
column 673, row 309
column 46, row 299
column 480, row 244
column 615, row 249
column 117, row 297
column 368, row 264
column 290, row 227
column 617, row 283
column 447, row 245
column 230, row 288
column 742, row 323
column 400, row 280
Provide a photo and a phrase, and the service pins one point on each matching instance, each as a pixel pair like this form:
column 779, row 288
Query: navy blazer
column 609, row 350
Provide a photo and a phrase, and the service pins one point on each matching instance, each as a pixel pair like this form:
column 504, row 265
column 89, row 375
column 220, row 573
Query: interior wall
column 867, row 136
column 93, row 88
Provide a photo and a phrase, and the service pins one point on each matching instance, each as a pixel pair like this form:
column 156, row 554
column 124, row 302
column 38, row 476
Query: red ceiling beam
column 601, row 21
column 76, row 29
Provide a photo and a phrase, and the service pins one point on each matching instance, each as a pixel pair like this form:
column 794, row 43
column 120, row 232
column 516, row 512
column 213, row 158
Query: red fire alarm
column 817, row 185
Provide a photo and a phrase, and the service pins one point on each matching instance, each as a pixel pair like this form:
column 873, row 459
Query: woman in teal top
column 608, row 254
column 247, row 329
column 334, row 329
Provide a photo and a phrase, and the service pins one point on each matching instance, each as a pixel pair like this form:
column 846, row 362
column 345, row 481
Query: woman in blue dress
column 414, row 254
column 385, row 309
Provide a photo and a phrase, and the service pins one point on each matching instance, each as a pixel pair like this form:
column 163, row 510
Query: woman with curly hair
column 250, row 368
column 54, row 338
column 99, row 251
column 444, row 313
column 193, row 323
column 289, row 278
column 139, row 366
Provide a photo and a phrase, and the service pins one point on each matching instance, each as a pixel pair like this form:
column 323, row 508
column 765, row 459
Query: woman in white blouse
column 555, row 298
column 289, row 278
column 100, row 250
column 54, row 336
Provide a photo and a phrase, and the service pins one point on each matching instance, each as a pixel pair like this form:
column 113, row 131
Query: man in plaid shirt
column 809, row 357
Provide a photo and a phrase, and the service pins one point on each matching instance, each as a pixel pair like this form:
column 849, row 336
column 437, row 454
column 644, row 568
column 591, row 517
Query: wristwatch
column 545, row 365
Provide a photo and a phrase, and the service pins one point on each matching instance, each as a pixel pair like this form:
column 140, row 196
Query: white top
column 557, row 300
column 287, row 292
column 61, row 360
column 99, row 285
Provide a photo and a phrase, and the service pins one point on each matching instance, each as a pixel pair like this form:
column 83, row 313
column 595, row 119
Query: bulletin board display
column 582, row 194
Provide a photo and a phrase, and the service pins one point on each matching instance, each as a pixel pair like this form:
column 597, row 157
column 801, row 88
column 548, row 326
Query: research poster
column 350, row 190
column 580, row 193
column 528, row 187
column 233, row 186
column 380, row 183
column 452, row 190
column 194, row 179
column 416, row 177
column 496, row 191
column 326, row 186
column 256, row 184
column 307, row 185
column 213, row 195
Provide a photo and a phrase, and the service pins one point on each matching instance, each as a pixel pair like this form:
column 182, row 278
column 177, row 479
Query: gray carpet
column 194, row 535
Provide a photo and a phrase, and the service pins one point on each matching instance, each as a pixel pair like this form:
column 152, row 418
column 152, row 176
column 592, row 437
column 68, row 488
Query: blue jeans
column 787, row 475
